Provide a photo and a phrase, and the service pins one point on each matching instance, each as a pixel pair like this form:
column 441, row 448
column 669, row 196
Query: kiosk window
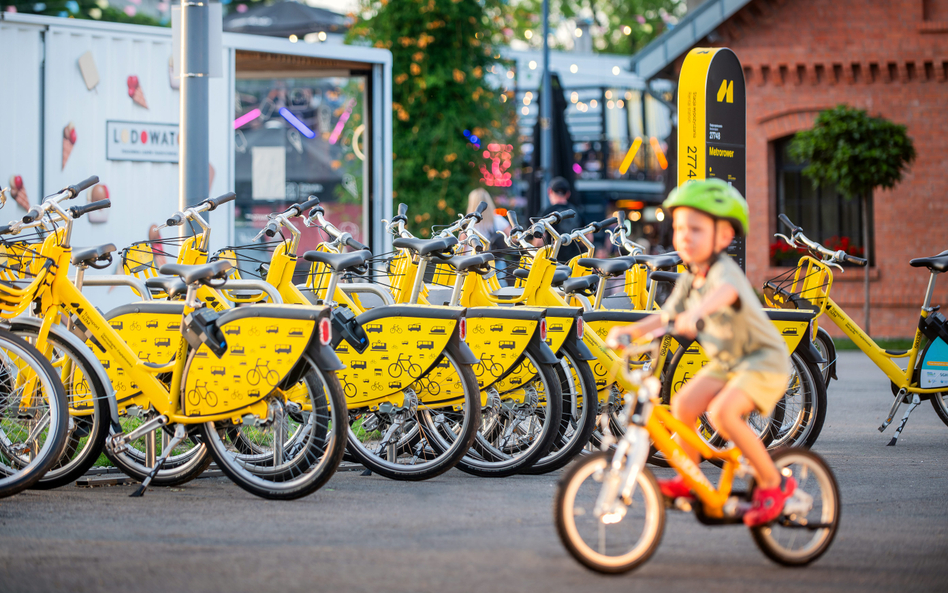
column 825, row 215
column 295, row 137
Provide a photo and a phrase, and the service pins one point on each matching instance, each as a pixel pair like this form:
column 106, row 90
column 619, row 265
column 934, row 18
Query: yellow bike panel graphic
column 261, row 352
column 401, row 350
column 497, row 344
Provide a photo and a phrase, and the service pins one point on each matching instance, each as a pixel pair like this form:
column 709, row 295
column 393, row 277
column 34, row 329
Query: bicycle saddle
column 561, row 275
column 170, row 285
column 192, row 274
column 665, row 276
column 606, row 267
column 581, row 284
column 339, row 262
column 521, row 273
column 88, row 255
column 935, row 263
column 425, row 246
column 470, row 262
column 665, row 262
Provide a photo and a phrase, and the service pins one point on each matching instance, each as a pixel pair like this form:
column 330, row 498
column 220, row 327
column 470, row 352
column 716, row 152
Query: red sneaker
column 768, row 503
column 675, row 488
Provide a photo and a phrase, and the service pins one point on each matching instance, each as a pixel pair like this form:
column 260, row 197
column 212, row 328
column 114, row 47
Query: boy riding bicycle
column 749, row 365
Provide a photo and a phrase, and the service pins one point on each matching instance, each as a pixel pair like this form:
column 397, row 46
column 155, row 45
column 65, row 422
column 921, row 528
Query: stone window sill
column 933, row 27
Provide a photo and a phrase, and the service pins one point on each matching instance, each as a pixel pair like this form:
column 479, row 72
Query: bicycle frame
column 813, row 277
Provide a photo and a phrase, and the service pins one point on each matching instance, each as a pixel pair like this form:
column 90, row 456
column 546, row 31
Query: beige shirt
column 739, row 337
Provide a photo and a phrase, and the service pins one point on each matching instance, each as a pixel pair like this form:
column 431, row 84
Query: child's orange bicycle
column 610, row 512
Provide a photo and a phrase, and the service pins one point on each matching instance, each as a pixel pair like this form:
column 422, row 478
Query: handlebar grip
column 174, row 220
column 852, row 259
column 786, row 221
column 220, row 200
column 605, row 223
column 82, row 186
column 620, row 216
column 512, row 219
column 561, row 216
column 271, row 229
column 311, row 202
column 481, row 208
column 78, row 211
column 5, row 229
column 32, row 215
column 402, row 209
column 351, row 242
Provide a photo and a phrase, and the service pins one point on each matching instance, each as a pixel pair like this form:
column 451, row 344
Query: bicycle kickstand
column 911, row 408
column 899, row 398
column 179, row 433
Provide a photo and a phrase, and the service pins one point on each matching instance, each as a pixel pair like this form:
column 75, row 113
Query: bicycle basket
column 24, row 272
column 248, row 262
column 785, row 292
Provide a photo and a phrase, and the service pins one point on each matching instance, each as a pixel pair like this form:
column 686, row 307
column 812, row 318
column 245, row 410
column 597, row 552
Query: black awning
column 284, row 19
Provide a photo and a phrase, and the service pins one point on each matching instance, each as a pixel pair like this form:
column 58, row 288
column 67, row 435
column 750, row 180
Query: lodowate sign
column 712, row 122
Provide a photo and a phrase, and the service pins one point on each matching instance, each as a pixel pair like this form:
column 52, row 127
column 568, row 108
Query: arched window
column 825, row 215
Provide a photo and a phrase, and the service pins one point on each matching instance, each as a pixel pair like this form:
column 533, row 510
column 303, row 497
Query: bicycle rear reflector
column 325, row 331
column 462, row 329
column 580, row 327
column 543, row 330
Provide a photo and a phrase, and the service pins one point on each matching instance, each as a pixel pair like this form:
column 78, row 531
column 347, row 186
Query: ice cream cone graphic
column 135, row 91
column 69, row 140
column 18, row 192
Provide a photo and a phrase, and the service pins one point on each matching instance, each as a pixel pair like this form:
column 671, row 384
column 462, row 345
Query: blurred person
column 559, row 194
column 492, row 225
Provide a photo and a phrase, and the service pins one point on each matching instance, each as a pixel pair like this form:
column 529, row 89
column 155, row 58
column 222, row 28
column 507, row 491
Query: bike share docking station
column 712, row 123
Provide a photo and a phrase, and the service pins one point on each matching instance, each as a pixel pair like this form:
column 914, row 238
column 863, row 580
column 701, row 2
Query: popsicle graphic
column 135, row 91
column 69, row 140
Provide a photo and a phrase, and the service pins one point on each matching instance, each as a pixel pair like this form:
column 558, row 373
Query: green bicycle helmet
column 715, row 198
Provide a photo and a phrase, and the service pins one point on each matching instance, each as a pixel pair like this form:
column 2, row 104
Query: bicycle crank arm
column 119, row 443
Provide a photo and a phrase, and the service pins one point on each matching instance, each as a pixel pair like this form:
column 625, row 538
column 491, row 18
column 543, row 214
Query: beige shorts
column 764, row 388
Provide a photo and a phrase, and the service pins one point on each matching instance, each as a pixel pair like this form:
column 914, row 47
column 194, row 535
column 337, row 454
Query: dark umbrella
column 561, row 164
column 284, row 19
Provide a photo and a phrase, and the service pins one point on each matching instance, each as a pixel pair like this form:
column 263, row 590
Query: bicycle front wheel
column 810, row 516
column 622, row 538
column 34, row 415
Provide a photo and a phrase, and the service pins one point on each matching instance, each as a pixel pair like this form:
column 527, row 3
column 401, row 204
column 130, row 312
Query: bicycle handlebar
column 81, row 186
column 175, row 220
column 852, row 259
column 561, row 216
column 34, row 213
column 78, row 211
column 786, row 221
column 351, row 242
column 599, row 226
column 213, row 203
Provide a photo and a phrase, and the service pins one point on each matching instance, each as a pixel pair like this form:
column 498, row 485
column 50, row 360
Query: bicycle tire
column 574, row 432
column 177, row 469
column 807, row 423
column 446, row 447
column 312, row 465
column 16, row 476
column 827, row 348
column 566, row 502
column 487, row 460
column 78, row 456
column 766, row 536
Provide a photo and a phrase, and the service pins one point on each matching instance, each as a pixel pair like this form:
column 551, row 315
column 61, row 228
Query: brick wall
column 889, row 57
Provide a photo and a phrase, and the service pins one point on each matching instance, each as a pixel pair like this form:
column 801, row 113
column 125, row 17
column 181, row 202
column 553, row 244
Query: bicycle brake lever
column 789, row 241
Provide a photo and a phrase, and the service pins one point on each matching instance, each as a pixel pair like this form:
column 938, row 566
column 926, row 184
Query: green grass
column 845, row 344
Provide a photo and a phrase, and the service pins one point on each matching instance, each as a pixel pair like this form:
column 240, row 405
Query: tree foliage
column 617, row 27
column 849, row 149
column 444, row 53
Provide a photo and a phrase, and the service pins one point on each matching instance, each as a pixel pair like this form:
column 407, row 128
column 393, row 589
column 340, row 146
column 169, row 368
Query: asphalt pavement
column 461, row 533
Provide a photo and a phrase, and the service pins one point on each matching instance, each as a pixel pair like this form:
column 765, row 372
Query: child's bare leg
column 691, row 402
column 726, row 413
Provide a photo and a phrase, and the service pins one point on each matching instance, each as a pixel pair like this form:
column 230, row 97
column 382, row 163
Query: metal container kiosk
column 286, row 120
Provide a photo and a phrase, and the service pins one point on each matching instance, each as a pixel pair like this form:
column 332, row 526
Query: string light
column 610, row 104
column 525, row 111
column 620, row 104
column 574, row 68
column 578, row 32
column 533, row 64
column 615, row 70
column 627, row 30
column 593, row 103
column 574, row 97
column 608, row 94
column 528, row 34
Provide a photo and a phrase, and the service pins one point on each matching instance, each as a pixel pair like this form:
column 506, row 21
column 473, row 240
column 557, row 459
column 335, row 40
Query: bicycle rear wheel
column 811, row 515
column 580, row 404
column 89, row 411
column 299, row 448
column 519, row 429
column 34, row 415
column 620, row 540
column 426, row 438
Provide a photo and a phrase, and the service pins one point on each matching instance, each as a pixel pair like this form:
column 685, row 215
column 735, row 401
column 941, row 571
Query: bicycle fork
column 618, row 482
column 895, row 406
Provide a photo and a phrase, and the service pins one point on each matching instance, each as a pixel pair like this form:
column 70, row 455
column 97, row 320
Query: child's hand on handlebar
column 687, row 324
column 614, row 339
